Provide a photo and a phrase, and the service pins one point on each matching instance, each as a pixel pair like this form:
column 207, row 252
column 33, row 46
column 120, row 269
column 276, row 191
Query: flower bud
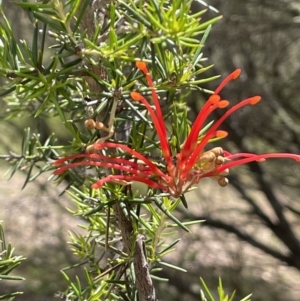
column 90, row 124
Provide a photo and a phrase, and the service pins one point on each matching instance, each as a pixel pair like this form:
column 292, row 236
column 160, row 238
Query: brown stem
column 134, row 244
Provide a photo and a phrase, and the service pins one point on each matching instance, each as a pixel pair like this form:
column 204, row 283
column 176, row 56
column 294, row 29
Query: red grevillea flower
column 191, row 164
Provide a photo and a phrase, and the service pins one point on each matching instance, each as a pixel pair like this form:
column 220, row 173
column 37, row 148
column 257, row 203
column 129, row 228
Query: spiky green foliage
column 73, row 71
column 206, row 294
column 8, row 262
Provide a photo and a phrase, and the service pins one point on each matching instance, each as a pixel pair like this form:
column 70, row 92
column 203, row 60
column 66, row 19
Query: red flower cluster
column 191, row 164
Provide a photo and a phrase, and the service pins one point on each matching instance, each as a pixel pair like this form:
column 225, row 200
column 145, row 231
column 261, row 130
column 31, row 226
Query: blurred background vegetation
column 251, row 236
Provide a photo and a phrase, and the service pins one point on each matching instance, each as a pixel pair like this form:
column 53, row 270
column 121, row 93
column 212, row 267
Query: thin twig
column 11, row 156
column 132, row 244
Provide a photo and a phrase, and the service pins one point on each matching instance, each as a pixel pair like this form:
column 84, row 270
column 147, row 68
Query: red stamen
column 281, row 155
column 221, row 134
column 125, row 168
column 185, row 151
column 247, row 158
column 162, row 137
column 211, row 132
column 131, row 151
column 143, row 67
column 69, row 157
column 207, row 109
column 204, row 112
column 234, row 75
column 99, row 157
column 239, row 155
column 122, row 178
